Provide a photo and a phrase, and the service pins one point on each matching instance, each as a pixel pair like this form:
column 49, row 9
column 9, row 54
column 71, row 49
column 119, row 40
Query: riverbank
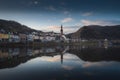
column 49, row 44
column 31, row 44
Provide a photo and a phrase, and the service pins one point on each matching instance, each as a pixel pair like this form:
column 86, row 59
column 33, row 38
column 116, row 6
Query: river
column 60, row 63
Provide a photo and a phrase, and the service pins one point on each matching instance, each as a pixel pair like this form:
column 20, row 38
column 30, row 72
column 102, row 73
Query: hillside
column 12, row 26
column 97, row 32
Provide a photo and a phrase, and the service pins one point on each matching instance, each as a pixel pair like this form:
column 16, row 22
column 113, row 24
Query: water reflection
column 60, row 63
column 95, row 54
column 11, row 57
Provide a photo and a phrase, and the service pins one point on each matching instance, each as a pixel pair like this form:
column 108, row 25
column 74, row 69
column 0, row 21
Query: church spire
column 61, row 30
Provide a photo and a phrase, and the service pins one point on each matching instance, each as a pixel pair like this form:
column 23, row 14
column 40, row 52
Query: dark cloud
column 100, row 22
column 101, row 6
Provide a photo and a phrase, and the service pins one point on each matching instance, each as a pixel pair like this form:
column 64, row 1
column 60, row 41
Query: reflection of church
column 61, row 33
column 63, row 52
column 61, row 57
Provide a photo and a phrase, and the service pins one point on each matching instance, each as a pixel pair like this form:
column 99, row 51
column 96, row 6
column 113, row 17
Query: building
column 36, row 38
column 30, row 38
column 23, row 37
column 4, row 37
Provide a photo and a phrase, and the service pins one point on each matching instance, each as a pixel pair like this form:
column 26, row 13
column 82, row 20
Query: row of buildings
column 34, row 36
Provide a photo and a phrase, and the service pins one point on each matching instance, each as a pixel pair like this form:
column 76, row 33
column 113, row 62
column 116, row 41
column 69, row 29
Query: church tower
column 61, row 30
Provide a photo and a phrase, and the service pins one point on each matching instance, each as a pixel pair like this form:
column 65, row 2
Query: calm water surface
column 60, row 63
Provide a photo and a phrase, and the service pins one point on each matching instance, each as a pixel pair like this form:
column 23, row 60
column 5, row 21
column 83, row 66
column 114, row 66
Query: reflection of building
column 11, row 57
column 61, row 33
column 61, row 56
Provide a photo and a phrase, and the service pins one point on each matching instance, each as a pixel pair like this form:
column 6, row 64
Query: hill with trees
column 97, row 32
column 13, row 26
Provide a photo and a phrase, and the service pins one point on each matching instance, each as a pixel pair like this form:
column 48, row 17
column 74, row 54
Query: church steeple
column 61, row 30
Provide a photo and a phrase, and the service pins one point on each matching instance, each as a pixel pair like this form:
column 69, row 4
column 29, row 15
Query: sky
column 49, row 15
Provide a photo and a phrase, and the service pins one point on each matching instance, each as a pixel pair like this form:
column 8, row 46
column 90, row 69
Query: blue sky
column 48, row 15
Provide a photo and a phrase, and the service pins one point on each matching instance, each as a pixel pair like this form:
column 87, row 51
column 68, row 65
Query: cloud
column 51, row 28
column 66, row 20
column 71, row 29
column 66, row 29
column 87, row 14
column 50, row 59
column 97, row 65
column 51, row 8
column 88, row 22
column 88, row 64
column 99, row 22
column 35, row 2
column 66, row 12
column 66, row 67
